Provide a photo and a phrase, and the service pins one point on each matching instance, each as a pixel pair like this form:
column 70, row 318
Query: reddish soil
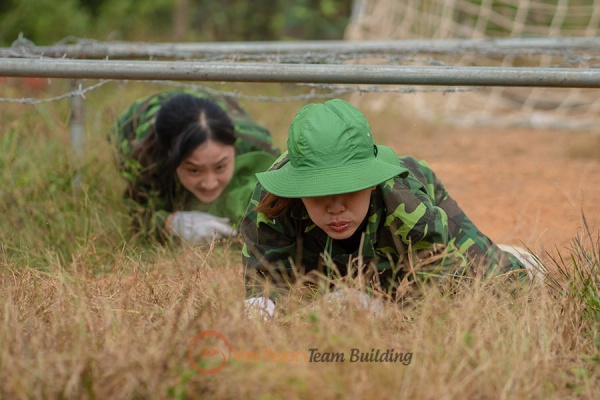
column 520, row 186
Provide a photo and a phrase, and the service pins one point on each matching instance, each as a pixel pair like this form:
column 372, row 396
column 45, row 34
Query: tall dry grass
column 87, row 311
column 66, row 333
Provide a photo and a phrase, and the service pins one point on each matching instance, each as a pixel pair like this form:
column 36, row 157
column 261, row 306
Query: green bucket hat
column 331, row 151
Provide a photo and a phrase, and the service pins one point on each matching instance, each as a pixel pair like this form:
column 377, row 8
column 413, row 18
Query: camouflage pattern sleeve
column 147, row 211
column 142, row 198
column 136, row 122
column 412, row 215
column 269, row 248
column 463, row 233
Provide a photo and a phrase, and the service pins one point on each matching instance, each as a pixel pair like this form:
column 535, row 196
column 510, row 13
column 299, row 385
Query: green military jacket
column 411, row 211
column 254, row 149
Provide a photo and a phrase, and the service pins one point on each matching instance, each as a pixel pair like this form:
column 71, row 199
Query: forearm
column 429, row 228
column 268, row 249
column 168, row 224
column 265, row 274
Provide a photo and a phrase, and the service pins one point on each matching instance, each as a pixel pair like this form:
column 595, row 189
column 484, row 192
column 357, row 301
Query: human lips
column 339, row 226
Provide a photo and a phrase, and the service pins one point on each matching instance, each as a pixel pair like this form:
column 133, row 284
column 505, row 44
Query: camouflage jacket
column 254, row 149
column 411, row 211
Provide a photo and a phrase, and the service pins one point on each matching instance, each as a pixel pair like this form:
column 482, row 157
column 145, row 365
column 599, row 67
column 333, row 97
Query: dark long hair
column 182, row 123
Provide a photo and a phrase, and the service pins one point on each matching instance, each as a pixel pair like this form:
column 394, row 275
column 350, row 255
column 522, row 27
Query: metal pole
column 301, row 73
column 123, row 50
column 76, row 128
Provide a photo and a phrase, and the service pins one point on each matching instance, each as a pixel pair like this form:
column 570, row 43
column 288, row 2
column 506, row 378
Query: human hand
column 200, row 227
column 535, row 270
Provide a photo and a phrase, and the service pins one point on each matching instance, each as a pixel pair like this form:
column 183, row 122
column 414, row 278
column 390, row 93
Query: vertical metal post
column 76, row 128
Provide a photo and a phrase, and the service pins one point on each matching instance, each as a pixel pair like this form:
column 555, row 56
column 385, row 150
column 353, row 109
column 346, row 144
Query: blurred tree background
column 46, row 22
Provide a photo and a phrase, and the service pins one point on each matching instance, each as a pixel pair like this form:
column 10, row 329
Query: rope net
column 485, row 19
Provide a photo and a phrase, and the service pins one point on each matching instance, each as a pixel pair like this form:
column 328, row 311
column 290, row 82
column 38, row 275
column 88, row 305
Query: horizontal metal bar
column 301, row 73
column 120, row 50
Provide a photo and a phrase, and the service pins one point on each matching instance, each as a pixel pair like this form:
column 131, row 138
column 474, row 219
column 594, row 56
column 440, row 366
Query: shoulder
column 415, row 180
column 146, row 107
column 413, row 164
column 138, row 119
column 280, row 161
column 419, row 169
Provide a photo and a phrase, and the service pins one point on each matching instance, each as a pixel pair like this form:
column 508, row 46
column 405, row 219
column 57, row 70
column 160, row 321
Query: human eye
column 221, row 167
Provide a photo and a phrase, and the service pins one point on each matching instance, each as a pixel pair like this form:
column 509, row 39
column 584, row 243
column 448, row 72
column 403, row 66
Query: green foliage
column 580, row 283
column 581, row 273
column 46, row 21
column 134, row 20
column 46, row 218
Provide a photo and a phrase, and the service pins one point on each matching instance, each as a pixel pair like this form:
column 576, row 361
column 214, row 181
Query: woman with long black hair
column 189, row 159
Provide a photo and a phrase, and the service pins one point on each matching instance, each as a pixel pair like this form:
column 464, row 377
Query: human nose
column 209, row 182
column 335, row 204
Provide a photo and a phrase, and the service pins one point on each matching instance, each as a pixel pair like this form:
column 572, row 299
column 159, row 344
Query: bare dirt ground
column 520, row 186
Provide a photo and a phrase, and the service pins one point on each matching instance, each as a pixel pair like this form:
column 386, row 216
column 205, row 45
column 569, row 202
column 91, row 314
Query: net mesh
column 484, row 19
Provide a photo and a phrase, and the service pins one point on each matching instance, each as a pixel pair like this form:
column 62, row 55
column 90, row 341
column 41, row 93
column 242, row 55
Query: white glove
column 262, row 307
column 200, row 227
column 535, row 271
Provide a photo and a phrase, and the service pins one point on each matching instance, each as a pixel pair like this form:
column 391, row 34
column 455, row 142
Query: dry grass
column 66, row 333
column 88, row 312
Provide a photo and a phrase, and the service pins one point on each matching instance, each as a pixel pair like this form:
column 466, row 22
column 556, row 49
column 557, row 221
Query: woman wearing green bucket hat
column 336, row 203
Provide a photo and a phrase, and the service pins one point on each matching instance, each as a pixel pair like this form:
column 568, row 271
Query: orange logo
column 209, row 351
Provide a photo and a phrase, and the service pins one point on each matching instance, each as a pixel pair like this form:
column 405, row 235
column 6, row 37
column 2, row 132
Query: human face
column 341, row 214
column 207, row 170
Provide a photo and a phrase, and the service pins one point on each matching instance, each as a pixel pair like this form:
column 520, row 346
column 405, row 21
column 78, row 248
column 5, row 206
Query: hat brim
column 291, row 183
column 387, row 154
